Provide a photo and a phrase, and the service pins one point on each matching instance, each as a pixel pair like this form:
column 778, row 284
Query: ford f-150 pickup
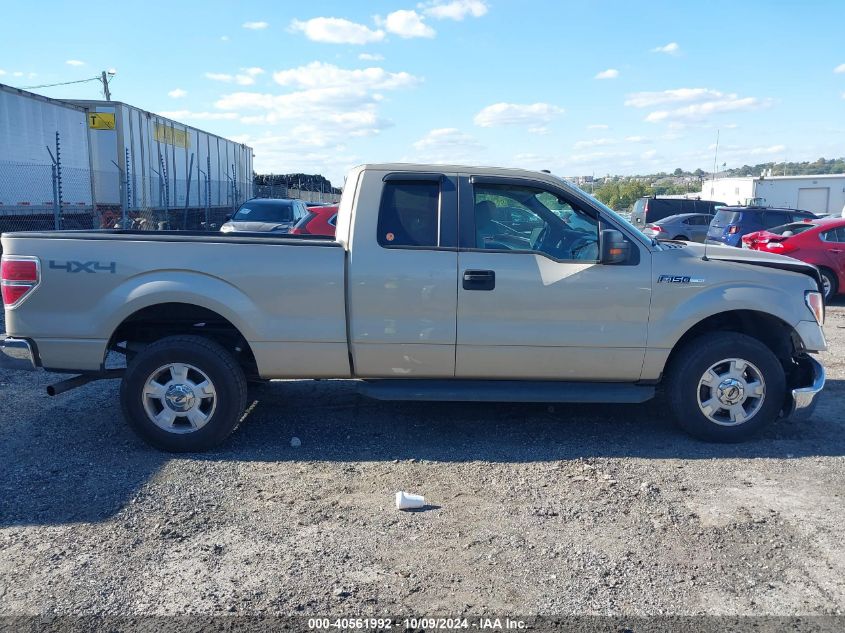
column 442, row 283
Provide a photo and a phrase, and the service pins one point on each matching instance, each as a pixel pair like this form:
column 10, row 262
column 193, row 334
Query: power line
column 65, row 83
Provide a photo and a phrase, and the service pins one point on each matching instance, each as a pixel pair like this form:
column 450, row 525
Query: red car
column 817, row 242
column 319, row 221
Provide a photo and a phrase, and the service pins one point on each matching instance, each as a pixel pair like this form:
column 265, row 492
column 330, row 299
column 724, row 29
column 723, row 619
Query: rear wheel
column 830, row 285
column 183, row 393
column 682, row 238
column 725, row 386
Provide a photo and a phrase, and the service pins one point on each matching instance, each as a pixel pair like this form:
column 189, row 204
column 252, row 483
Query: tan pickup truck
column 443, row 283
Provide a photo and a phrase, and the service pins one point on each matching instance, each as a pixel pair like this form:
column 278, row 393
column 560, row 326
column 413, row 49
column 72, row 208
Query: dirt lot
column 534, row 510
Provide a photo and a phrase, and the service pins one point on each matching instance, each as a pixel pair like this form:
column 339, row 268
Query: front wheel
column 183, row 394
column 725, row 386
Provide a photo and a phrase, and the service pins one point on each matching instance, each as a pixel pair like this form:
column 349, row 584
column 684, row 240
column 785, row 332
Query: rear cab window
column 409, row 214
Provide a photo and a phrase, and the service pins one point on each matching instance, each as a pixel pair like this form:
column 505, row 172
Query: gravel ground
column 533, row 510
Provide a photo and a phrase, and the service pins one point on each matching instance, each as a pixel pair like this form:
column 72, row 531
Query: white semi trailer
column 116, row 162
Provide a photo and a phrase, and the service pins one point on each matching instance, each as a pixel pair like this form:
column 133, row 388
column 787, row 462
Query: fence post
column 56, row 208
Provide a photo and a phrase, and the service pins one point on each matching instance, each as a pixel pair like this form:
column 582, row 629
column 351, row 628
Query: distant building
column 819, row 194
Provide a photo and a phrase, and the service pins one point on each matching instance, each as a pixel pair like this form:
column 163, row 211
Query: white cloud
column 596, row 142
column 2, row 72
column 648, row 99
column 610, row 73
column 637, row 139
column 446, row 145
column 701, row 103
column 74, row 62
column 224, row 38
column 454, row 10
column 598, row 126
column 255, row 26
column 445, row 137
column 17, row 73
column 337, row 31
column 671, row 48
column 177, row 93
column 247, row 78
column 843, row 95
column 370, row 57
column 253, row 71
column 699, row 111
column 321, row 105
column 184, row 115
column 323, row 75
column 839, row 69
column 539, row 129
column 406, row 24
column 648, row 154
column 517, row 114
column 765, row 151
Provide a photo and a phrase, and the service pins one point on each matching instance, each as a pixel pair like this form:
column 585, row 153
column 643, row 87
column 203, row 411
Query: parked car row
column 799, row 234
column 282, row 215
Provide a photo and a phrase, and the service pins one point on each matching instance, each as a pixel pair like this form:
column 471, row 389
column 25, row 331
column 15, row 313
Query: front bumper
column 804, row 398
column 17, row 354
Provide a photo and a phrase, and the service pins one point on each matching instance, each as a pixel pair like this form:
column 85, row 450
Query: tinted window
column 409, row 213
column 688, row 206
column 833, row 235
column 518, row 218
column 724, row 218
column 265, row 211
column 772, row 219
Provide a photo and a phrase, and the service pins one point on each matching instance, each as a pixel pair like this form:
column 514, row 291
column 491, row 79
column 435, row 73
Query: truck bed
column 285, row 294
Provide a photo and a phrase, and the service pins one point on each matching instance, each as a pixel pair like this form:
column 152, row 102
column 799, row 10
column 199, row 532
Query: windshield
column 633, row 230
column 264, row 212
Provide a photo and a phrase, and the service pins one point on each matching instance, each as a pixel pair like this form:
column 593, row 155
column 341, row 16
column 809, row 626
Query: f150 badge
column 679, row 279
column 84, row 267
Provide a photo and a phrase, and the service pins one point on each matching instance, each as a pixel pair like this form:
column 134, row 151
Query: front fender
column 672, row 314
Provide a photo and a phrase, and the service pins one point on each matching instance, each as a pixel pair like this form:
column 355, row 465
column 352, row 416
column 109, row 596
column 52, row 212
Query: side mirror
column 614, row 247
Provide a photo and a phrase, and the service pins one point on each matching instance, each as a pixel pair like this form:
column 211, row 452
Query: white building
column 819, row 194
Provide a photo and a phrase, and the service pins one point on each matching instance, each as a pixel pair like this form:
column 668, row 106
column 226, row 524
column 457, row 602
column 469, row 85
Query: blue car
column 731, row 223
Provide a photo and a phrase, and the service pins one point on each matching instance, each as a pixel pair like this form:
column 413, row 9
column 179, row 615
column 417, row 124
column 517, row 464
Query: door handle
column 836, row 250
column 479, row 280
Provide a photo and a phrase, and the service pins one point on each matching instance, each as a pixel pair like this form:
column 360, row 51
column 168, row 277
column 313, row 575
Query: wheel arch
column 159, row 320
column 767, row 328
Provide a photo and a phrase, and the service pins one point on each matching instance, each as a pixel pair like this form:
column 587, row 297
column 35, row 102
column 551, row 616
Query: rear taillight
column 18, row 277
column 657, row 228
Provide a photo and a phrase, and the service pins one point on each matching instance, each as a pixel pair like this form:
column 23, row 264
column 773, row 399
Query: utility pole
column 105, row 81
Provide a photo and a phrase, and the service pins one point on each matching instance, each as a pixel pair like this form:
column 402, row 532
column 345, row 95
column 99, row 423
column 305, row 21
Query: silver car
column 278, row 215
column 688, row 227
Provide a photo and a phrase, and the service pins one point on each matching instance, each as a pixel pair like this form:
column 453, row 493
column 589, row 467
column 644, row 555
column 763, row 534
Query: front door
column 533, row 301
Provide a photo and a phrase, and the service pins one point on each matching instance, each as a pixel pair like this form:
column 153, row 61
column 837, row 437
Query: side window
column 519, row 218
column 409, row 213
column 770, row 219
column 834, row 235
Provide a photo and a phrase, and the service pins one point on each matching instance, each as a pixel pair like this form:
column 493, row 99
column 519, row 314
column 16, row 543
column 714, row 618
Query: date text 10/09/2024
column 375, row 624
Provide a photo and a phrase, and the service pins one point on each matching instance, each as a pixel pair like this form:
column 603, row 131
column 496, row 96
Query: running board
column 506, row 391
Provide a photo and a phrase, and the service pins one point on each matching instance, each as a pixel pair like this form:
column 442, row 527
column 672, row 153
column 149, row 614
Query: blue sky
column 575, row 87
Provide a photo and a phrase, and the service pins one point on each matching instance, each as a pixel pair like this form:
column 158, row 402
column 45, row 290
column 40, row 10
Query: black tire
column 689, row 365
column 832, row 280
column 205, row 357
column 682, row 238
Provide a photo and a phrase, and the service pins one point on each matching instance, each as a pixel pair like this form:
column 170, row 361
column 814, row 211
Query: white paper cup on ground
column 408, row 501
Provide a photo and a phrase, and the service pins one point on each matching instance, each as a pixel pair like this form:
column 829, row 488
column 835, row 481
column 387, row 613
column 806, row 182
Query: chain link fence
column 39, row 197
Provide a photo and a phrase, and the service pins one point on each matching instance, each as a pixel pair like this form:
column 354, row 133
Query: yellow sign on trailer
column 101, row 120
